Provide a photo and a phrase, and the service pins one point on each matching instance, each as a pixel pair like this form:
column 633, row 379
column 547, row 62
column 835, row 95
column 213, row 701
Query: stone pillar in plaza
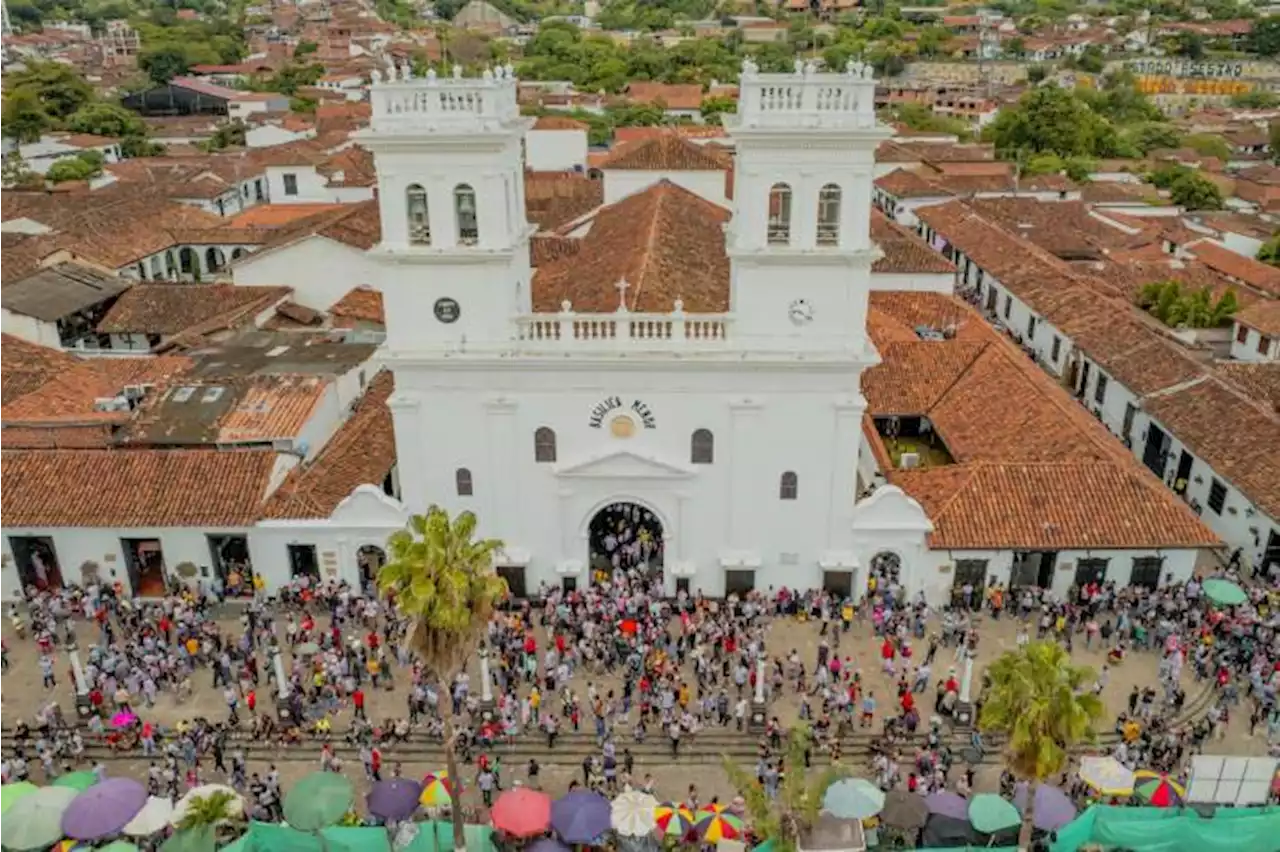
column 759, row 712
column 83, row 705
column 964, row 703
column 486, row 682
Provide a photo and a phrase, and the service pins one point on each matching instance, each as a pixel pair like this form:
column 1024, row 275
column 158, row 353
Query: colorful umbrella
column 632, row 814
column 118, row 846
column 547, row 844
column 35, row 821
column 580, row 816
column 394, row 798
column 1106, row 775
column 153, row 817
column 318, row 801
column 78, row 781
column 522, row 812
column 1224, row 592
column 438, row 790
column 11, row 793
column 948, row 804
column 904, row 810
column 715, row 823
column 989, row 813
column 104, row 809
column 853, row 798
column 673, row 819
column 1053, row 808
column 1158, row 789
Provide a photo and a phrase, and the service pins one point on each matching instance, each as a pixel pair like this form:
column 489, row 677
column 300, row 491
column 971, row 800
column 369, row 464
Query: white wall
column 76, row 545
column 1248, row 350
column 555, row 150
column 1241, row 244
column 29, row 328
column 1178, row 563
column 319, row 270
column 619, row 183
column 765, row 422
column 311, row 185
column 268, row 135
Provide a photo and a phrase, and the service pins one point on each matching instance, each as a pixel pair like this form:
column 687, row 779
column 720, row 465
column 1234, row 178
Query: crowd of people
column 300, row 669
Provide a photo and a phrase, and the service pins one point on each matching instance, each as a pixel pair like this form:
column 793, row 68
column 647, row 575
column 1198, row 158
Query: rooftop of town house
column 359, row 306
column 53, row 292
column 1023, row 468
column 899, row 150
column 263, row 352
column 1263, row 316
column 363, row 450
column 168, row 309
column 1258, row 380
column 666, row 152
column 552, row 199
column 1253, row 273
column 26, row 366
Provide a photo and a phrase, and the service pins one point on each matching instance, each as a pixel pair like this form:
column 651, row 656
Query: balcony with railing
column 402, row 102
column 623, row 330
column 806, row 98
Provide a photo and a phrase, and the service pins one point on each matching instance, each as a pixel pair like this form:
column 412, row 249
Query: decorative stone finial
column 406, row 70
column 457, row 72
column 799, row 67
column 509, row 70
column 431, row 75
column 391, row 69
column 376, row 76
column 810, row 68
column 566, row 307
column 679, row 306
column 749, row 67
column 487, row 76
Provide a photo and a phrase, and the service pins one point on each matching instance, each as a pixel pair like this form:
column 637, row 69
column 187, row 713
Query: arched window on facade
column 214, row 259
column 462, row 477
column 702, row 448
column 779, row 214
column 544, row 445
column 829, row 215
column 419, row 222
column 789, row 486
column 464, row 208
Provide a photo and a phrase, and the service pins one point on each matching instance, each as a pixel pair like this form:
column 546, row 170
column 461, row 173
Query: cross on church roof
column 622, row 286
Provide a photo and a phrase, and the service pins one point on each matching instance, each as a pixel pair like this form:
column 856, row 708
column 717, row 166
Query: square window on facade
column 1217, row 496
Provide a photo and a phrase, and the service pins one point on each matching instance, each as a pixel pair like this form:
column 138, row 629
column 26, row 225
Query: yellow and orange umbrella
column 715, row 823
column 438, row 790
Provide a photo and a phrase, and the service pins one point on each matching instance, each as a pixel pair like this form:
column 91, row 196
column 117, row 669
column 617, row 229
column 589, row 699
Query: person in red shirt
column 357, row 700
column 372, row 640
column 251, row 701
column 908, row 702
column 375, row 763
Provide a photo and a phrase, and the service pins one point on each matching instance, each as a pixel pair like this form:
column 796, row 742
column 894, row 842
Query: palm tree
column 207, row 819
column 1045, row 707
column 443, row 581
column 785, row 819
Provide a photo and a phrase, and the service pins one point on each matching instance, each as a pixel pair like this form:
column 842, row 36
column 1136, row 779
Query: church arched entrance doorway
column 625, row 535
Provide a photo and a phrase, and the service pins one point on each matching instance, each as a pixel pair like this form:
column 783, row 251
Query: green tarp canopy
column 1172, row 830
column 269, row 837
column 438, row 837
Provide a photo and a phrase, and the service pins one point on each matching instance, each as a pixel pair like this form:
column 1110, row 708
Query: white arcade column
column 964, row 704
column 759, row 714
column 486, row 682
column 83, row 706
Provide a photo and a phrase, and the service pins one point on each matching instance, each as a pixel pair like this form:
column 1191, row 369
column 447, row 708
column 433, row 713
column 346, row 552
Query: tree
column 228, row 134
column 1166, row 301
column 1193, row 191
column 1265, row 37
column 211, row 811
column 917, row 116
column 24, row 118
column 140, row 146
column 1037, row 74
column 1154, row 136
column 14, row 174
column 79, row 167
column 1257, row 99
column 784, row 819
column 1044, row 705
column 164, row 63
column 1209, row 145
column 443, row 581
column 713, row 108
column 1091, row 60
column 59, row 89
column 1270, row 251
column 305, row 47
column 1273, row 140
column 103, row 119
column 1052, row 120
column 1190, row 45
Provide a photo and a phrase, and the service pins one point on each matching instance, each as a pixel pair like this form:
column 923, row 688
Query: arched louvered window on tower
column 464, row 208
column 779, row 215
column 829, row 215
column 419, row 217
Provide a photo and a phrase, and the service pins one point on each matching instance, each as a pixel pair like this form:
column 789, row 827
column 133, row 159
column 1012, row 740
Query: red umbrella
column 629, row 627
column 522, row 812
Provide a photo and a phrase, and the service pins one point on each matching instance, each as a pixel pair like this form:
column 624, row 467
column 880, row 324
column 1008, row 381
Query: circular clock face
column 800, row 311
column 447, row 310
column 622, row 426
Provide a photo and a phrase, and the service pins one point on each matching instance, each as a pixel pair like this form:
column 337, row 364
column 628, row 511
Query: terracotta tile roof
column 553, row 199
column 272, row 407
column 350, row 167
column 1051, row 506
column 360, row 227
column 627, row 135
column 1259, row 380
column 168, row 309
column 904, row 183
column 1245, row 269
column 69, row 397
column 665, row 153
column 904, row 252
column 1268, row 175
column 276, row 215
column 362, row 451
column 1263, row 315
column 1012, row 431
column 25, row 366
column 360, row 305
column 545, row 249
column 134, row 488
column 667, row 242
column 299, row 315
column 558, row 122
column 673, row 96
column 303, row 152
column 1115, row 192
column 1234, row 435
column 902, row 151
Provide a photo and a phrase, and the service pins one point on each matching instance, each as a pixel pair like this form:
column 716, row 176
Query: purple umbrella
column 580, row 817
column 394, row 798
column 104, row 809
column 948, row 804
column 1053, row 807
column 547, row 844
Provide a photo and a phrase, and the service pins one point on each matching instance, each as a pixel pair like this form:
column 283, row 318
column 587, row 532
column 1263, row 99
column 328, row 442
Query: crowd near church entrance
column 371, row 558
column 37, row 561
column 622, row 536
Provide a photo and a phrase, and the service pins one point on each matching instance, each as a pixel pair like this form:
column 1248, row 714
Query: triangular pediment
column 368, row 506
column 623, row 464
column 890, row 508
